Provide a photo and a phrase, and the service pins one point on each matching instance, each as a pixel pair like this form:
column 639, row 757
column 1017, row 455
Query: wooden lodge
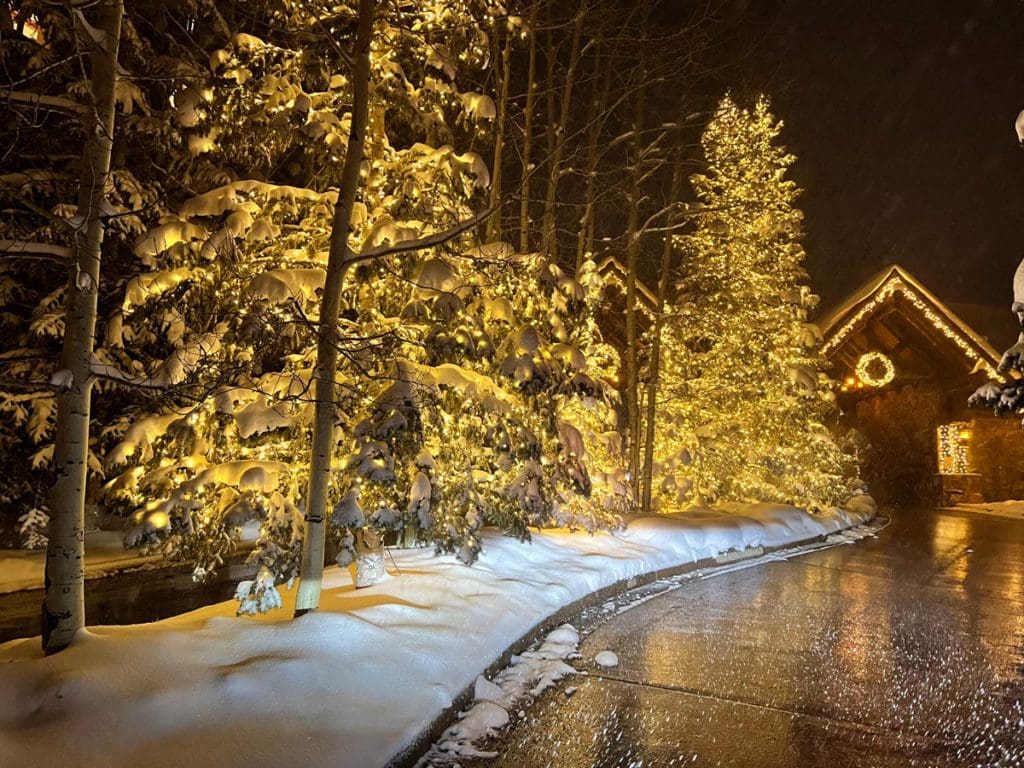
column 906, row 364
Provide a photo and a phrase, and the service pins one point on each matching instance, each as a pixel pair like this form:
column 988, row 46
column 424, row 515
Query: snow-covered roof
column 870, row 297
column 613, row 265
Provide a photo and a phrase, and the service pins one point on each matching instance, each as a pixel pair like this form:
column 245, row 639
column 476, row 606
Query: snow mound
column 206, row 689
column 527, row 676
column 606, row 659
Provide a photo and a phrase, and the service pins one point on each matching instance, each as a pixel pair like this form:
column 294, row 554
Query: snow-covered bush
column 456, row 360
column 258, row 595
column 1007, row 396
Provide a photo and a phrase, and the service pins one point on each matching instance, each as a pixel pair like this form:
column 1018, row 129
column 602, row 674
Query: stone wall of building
column 996, row 451
column 898, row 455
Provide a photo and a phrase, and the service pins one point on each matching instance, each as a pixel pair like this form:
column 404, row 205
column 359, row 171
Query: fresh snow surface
column 357, row 682
column 1012, row 509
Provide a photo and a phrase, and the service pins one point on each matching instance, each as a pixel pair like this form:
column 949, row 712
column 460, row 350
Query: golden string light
column 895, row 284
column 953, row 439
column 875, row 369
column 744, row 404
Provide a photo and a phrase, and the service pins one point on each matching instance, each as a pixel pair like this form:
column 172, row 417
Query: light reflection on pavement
column 905, row 650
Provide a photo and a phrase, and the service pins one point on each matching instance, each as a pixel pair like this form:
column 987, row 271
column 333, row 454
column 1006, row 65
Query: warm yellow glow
column 952, row 441
column 745, row 404
column 31, row 28
column 894, row 285
column 875, row 369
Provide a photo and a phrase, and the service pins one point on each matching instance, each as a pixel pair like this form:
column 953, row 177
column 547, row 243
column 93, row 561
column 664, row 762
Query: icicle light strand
column 896, row 285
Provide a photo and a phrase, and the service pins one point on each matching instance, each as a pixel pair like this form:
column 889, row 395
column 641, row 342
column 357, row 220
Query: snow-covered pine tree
column 233, row 282
column 498, row 414
column 233, row 274
column 43, row 129
column 746, row 404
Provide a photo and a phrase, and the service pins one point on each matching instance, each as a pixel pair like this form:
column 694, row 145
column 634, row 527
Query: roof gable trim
column 897, row 280
column 612, row 266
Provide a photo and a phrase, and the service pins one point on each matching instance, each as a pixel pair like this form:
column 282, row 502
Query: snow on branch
column 42, row 101
column 30, row 249
column 420, row 243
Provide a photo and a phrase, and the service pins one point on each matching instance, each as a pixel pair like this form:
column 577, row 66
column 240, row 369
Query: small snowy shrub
column 32, row 529
column 258, row 595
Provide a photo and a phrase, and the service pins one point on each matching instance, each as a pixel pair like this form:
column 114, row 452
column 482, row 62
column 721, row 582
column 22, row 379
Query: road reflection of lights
column 950, row 535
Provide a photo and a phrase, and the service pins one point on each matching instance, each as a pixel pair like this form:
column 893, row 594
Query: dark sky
column 901, row 113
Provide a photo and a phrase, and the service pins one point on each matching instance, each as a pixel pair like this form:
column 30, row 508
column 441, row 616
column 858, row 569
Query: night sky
column 901, row 114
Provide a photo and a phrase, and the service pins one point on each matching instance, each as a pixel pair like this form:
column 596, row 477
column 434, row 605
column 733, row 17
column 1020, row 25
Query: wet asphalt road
column 902, row 650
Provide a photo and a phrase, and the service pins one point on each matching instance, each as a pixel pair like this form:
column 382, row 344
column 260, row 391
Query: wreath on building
column 875, row 369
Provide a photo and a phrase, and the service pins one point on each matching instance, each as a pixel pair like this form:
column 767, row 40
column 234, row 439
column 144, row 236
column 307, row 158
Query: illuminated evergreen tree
column 230, row 296
column 460, row 365
column 747, row 407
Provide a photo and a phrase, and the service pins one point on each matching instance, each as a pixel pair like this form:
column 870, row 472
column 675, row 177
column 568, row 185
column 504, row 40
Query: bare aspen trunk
column 595, row 122
column 493, row 227
column 64, row 601
column 632, row 378
column 632, row 258
column 551, row 60
column 311, row 574
column 531, row 94
column 560, row 134
column 654, row 377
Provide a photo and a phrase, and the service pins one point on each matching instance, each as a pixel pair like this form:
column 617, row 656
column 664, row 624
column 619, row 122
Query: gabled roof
column 612, row 266
column 853, row 313
column 995, row 324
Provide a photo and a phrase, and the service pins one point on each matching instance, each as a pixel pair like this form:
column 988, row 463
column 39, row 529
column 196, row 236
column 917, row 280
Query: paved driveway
column 904, row 650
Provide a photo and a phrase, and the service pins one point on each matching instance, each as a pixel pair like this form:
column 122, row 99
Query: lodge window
column 953, row 439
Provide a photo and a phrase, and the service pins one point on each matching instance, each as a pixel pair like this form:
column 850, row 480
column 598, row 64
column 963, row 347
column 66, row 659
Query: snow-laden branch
column 35, row 250
column 108, row 372
column 420, row 243
column 42, row 101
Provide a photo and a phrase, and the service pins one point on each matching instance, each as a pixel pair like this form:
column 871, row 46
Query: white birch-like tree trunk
column 64, row 601
column 493, row 226
column 325, row 409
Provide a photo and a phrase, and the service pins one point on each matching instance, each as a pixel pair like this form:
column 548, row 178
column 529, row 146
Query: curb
column 408, row 757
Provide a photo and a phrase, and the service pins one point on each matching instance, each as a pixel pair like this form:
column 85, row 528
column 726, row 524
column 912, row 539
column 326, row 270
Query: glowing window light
column 953, row 439
column 875, row 369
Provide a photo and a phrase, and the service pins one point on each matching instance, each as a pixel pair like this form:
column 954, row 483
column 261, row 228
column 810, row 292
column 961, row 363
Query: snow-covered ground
column 356, row 683
column 1011, row 509
column 104, row 554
